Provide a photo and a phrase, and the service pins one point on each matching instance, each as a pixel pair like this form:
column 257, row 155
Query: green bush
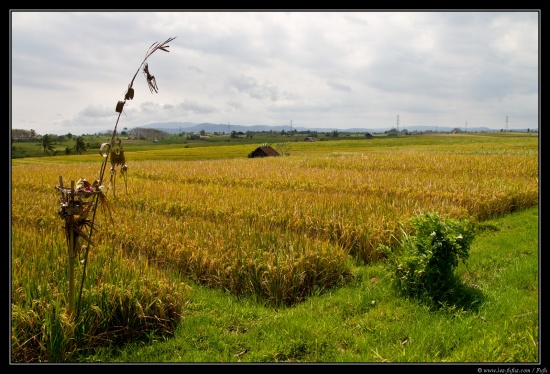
column 425, row 259
column 93, row 145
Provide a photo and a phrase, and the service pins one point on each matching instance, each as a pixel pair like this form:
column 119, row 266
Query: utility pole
column 466, row 126
column 506, row 123
column 291, row 126
column 398, row 123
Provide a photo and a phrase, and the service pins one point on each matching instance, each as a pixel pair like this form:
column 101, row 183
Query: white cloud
column 323, row 69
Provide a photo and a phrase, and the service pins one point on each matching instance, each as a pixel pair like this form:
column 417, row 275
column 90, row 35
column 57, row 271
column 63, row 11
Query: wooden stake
column 71, row 225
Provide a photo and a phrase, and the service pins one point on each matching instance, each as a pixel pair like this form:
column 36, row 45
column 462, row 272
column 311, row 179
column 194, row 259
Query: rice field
column 277, row 229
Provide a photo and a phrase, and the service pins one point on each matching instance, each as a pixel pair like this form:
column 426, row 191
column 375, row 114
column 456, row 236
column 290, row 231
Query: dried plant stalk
column 75, row 209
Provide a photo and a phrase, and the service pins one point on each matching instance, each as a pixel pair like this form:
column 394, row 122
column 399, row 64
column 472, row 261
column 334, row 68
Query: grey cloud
column 339, row 86
column 234, row 104
column 96, row 111
column 251, row 87
column 193, row 107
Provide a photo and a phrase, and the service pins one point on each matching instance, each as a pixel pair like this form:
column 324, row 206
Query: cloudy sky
column 334, row 70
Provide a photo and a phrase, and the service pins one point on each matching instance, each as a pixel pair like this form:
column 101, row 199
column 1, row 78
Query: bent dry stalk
column 79, row 202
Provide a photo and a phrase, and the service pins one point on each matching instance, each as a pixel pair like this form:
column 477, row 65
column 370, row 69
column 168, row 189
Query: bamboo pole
column 70, row 228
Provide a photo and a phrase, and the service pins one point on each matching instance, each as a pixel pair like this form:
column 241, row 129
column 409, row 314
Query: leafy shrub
column 425, row 259
column 93, row 145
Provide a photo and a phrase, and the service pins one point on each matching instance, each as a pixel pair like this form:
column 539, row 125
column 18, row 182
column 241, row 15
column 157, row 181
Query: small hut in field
column 369, row 136
column 263, row 152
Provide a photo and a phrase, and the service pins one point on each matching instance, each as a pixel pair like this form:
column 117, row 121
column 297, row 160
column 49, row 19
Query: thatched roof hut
column 263, row 152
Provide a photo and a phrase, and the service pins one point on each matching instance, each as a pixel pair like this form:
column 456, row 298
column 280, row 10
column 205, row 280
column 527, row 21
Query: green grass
column 368, row 322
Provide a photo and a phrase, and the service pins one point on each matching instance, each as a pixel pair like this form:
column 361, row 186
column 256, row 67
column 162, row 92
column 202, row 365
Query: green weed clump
column 426, row 258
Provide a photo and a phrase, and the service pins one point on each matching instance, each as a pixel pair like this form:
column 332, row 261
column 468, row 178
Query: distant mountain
column 171, row 127
column 190, row 127
column 447, row 129
column 177, row 127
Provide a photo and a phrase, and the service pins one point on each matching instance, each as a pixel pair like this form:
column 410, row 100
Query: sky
column 308, row 69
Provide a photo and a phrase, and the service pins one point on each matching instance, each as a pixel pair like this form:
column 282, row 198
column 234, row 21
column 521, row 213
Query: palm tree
column 47, row 144
column 80, row 145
